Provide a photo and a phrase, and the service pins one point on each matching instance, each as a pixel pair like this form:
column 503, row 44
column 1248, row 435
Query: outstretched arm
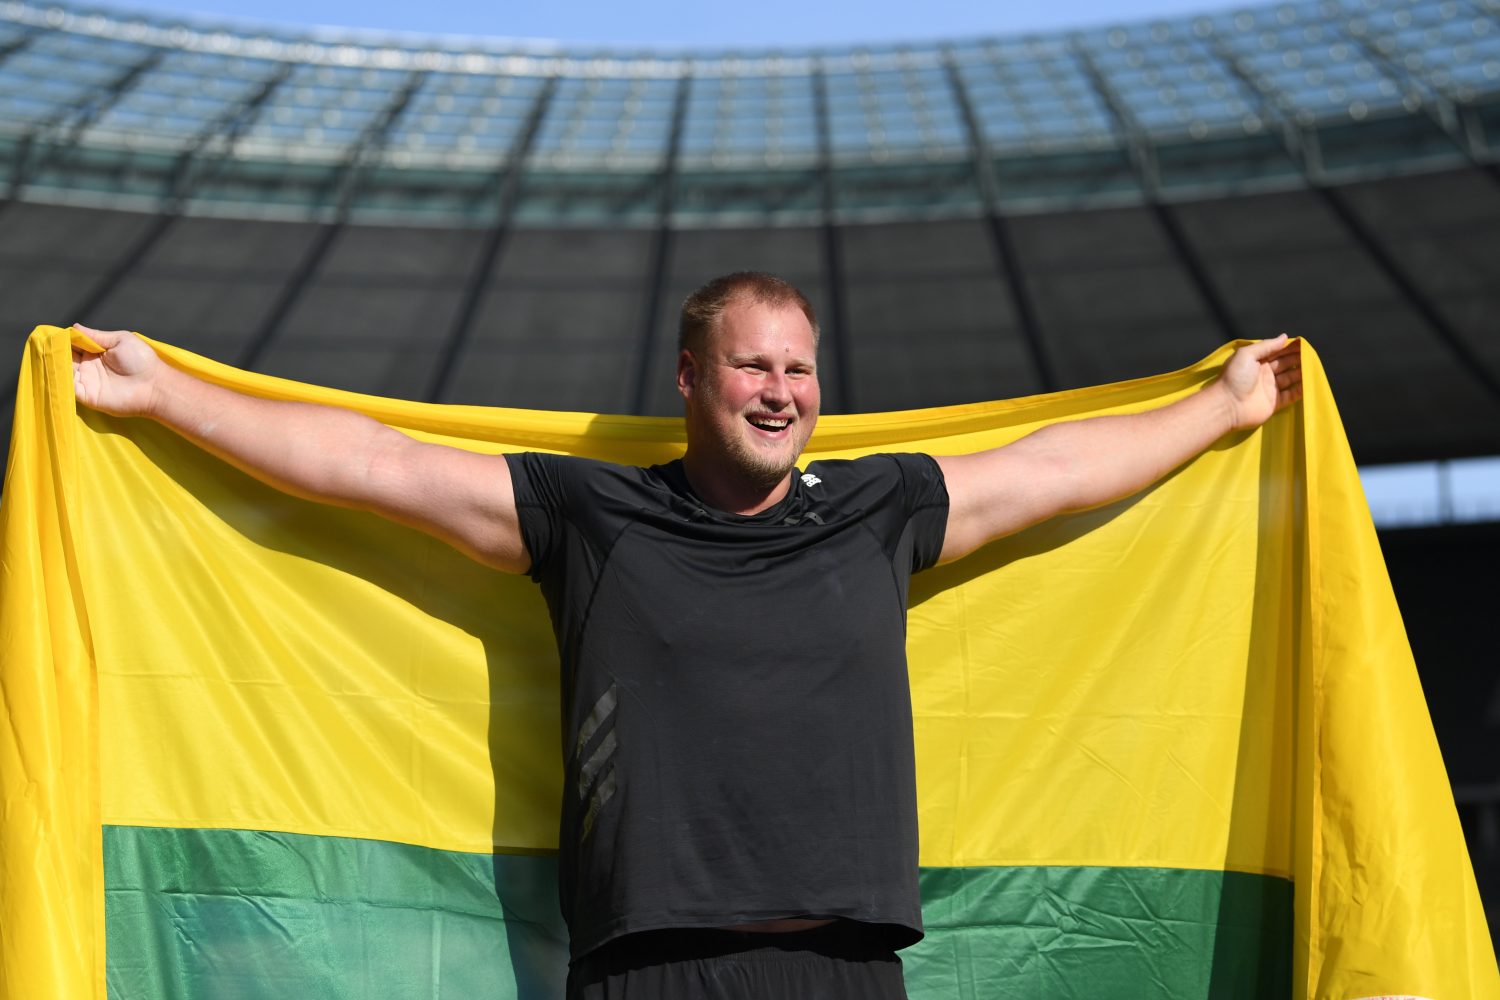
column 317, row 452
column 1087, row 463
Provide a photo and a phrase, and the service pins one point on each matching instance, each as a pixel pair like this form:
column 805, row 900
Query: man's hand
column 1261, row 378
column 119, row 381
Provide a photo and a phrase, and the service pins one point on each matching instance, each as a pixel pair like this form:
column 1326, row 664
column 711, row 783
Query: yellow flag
column 259, row 747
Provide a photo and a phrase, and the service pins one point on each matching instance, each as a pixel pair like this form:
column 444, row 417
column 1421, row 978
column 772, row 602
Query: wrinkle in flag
column 257, row 747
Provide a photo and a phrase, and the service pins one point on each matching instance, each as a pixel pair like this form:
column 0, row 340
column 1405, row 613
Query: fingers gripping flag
column 256, row 747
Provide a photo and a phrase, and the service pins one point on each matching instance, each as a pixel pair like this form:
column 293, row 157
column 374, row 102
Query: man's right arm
column 317, row 452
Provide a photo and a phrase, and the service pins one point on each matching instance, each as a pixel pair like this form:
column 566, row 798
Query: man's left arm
column 1088, row 463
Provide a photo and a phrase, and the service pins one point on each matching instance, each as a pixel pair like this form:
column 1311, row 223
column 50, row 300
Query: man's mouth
column 770, row 424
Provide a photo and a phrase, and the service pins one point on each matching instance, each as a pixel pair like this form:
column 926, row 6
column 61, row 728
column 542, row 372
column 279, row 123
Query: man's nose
column 776, row 389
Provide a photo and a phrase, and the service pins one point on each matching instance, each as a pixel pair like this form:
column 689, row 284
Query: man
column 739, row 813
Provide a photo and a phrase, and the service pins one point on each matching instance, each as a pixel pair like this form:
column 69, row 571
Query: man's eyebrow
column 740, row 359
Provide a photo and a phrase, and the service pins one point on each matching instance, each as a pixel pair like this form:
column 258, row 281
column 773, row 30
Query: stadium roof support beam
column 507, row 188
column 180, row 185
column 81, row 115
column 1011, row 275
column 661, row 248
column 837, row 324
column 342, row 187
column 1490, row 7
column 1142, row 158
column 1443, row 109
column 345, row 181
column 1471, row 121
column 1301, row 146
column 68, row 124
column 228, row 129
column 6, row 51
column 20, row 42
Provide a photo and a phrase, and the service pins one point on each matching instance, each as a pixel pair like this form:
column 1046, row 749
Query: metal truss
column 1368, row 71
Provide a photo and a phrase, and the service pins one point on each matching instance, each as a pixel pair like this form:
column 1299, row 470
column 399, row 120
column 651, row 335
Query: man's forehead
column 747, row 325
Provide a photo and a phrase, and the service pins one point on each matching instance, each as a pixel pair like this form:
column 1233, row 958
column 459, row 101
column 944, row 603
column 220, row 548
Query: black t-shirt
column 737, row 717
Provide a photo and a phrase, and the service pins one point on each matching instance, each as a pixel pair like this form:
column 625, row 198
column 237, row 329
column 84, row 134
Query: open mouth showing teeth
column 770, row 423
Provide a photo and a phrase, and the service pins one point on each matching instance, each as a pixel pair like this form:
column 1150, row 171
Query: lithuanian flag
column 255, row 747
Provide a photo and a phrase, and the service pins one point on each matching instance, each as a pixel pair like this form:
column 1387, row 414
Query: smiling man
column 738, row 817
column 747, row 369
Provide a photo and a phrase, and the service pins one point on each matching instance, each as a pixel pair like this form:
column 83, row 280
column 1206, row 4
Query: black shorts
column 842, row 961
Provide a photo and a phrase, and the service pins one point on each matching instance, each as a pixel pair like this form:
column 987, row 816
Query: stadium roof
column 977, row 219
column 99, row 104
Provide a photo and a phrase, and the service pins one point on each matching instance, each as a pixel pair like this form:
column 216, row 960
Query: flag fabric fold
column 257, row 747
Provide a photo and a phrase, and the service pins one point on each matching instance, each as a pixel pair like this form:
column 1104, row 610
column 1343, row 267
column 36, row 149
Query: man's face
column 753, row 397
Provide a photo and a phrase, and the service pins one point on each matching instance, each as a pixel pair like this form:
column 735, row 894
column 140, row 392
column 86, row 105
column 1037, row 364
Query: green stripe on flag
column 250, row 915
column 1100, row 934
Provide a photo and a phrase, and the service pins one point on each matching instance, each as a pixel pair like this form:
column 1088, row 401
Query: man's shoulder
column 882, row 465
column 871, row 480
column 553, row 479
column 576, row 465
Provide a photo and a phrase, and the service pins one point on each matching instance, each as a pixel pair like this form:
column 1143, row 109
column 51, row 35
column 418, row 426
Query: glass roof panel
column 321, row 111
column 183, row 96
column 1053, row 96
column 749, row 120
column 56, row 73
column 607, row 122
column 1444, row 45
column 464, row 116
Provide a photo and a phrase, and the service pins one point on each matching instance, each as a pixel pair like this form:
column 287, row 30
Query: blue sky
column 676, row 23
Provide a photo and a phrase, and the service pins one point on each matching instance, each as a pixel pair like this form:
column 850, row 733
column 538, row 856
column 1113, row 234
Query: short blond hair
column 702, row 309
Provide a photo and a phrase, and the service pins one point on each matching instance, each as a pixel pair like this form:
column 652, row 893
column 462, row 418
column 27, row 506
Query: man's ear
column 687, row 373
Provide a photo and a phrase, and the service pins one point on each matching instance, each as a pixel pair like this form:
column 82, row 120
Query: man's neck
column 728, row 490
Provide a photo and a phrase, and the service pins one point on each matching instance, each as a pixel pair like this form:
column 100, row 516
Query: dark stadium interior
column 927, row 315
column 976, row 220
